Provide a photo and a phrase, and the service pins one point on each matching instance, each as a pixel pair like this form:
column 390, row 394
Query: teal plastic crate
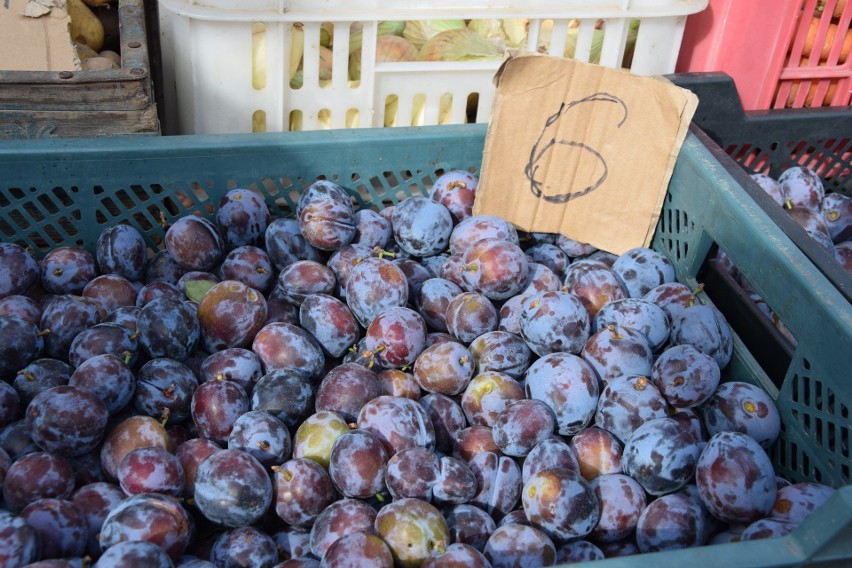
column 64, row 192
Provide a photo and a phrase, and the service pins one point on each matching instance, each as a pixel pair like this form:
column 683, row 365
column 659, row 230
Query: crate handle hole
column 258, row 121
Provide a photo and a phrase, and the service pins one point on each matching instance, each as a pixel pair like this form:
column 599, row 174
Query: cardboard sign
column 34, row 36
column 581, row 149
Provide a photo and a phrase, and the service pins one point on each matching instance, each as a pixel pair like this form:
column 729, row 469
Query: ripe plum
column 168, row 328
column 303, row 489
column 469, row 315
column 456, row 190
column 232, row 488
column 20, row 269
column 737, row 406
column 568, row 385
column 194, row 242
column 519, row 545
column 421, row 226
column 412, row 529
column 561, row 503
column 553, row 322
column 594, row 283
column 496, row 268
column 263, row 436
column 66, row 270
column 661, row 456
column 735, row 478
column 243, row 217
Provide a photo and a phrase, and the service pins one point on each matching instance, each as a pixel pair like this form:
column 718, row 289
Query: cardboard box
column 34, row 36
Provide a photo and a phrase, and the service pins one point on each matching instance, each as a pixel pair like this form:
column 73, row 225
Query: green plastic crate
column 64, row 192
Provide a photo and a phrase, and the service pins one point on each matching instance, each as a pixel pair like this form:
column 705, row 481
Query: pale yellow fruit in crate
column 85, row 26
column 297, row 47
column 388, row 48
column 99, row 64
column 419, row 32
column 111, row 55
column 458, row 45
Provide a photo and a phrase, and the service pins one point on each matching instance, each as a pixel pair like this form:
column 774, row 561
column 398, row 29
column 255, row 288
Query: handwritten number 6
column 547, row 141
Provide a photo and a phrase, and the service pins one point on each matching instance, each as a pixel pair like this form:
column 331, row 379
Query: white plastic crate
column 227, row 69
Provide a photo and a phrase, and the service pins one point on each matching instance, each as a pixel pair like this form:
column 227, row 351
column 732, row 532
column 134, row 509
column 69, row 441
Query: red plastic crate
column 762, row 46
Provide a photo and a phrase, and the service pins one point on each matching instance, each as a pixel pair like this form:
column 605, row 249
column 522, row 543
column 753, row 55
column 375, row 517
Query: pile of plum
column 416, row 386
column 825, row 216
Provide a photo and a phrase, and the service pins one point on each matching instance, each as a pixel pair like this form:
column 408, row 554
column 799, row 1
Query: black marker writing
column 547, row 141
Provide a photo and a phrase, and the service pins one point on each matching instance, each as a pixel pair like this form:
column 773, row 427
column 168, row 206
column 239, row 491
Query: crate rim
column 367, row 10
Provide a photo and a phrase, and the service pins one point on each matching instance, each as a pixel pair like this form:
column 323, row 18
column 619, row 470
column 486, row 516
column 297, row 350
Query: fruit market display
column 416, row 386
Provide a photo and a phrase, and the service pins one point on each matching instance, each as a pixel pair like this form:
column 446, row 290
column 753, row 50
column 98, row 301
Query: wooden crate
column 40, row 104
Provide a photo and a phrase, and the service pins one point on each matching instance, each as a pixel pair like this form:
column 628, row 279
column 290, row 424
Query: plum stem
column 261, row 270
column 27, row 375
column 641, row 383
column 470, row 268
column 380, row 498
column 57, row 272
column 284, row 473
column 614, row 332
column 264, row 445
column 371, row 355
column 788, row 203
column 42, row 333
column 127, row 357
column 164, row 417
column 456, row 185
column 381, row 253
column 439, row 546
